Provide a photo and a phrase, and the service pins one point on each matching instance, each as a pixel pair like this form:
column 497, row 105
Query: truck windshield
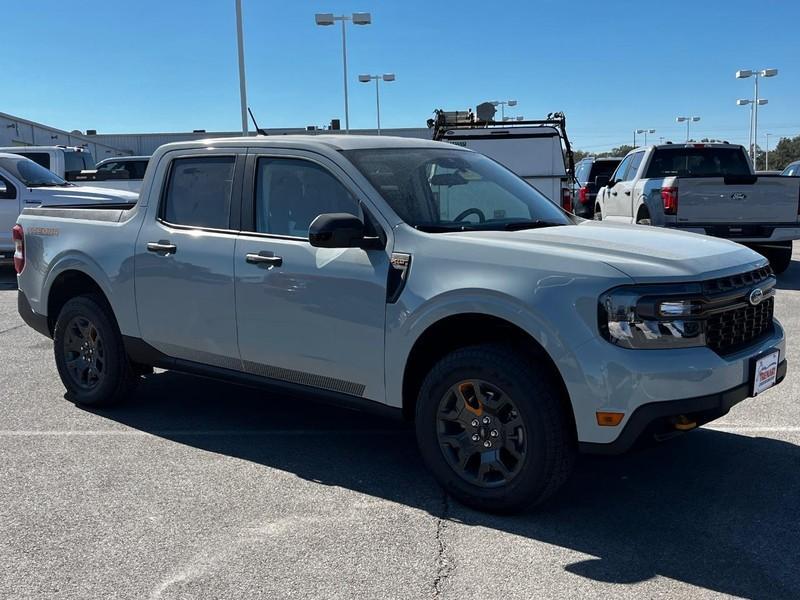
column 698, row 162
column 439, row 190
column 30, row 173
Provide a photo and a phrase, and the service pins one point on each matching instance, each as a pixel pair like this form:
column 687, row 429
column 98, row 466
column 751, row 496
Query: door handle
column 162, row 246
column 613, row 193
column 628, row 193
column 264, row 259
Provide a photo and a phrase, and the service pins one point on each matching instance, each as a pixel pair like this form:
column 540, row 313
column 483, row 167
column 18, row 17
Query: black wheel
column 779, row 258
column 643, row 220
column 90, row 357
column 492, row 429
column 598, row 215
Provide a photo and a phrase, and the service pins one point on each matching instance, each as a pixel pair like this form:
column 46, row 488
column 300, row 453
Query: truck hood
column 641, row 252
column 78, row 195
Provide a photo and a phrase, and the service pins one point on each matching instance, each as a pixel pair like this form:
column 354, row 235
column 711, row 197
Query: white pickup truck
column 24, row 184
column 709, row 189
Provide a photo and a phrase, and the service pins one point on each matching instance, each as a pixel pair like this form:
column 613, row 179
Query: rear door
column 617, row 196
column 184, row 258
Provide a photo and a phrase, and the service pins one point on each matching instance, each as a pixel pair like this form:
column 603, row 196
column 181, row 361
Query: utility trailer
column 537, row 150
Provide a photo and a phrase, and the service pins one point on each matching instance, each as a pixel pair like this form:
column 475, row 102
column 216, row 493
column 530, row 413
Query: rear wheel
column 89, row 354
column 492, row 429
column 598, row 214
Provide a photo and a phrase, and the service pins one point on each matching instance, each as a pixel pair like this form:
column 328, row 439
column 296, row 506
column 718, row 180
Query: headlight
column 653, row 317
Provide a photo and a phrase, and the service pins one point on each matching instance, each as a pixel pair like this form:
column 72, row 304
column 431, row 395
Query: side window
column 635, row 162
column 40, row 158
column 292, row 192
column 73, row 161
column 199, row 192
column 619, row 174
column 136, row 168
column 582, row 172
column 11, row 191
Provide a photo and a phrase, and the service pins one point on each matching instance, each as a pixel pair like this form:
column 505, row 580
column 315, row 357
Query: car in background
column 26, row 184
column 587, row 172
column 65, row 161
column 707, row 188
column 792, row 169
column 121, row 172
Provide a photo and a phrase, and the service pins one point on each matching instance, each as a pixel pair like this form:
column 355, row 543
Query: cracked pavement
column 199, row 489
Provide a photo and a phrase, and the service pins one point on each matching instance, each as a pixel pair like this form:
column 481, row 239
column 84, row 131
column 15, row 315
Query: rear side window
column 125, row 169
column 698, row 162
column 40, row 158
column 582, row 171
column 73, row 161
column 199, row 192
column 603, row 168
column 635, row 162
column 619, row 174
column 792, row 170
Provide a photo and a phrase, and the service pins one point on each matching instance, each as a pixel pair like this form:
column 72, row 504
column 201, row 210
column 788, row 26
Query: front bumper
column 658, row 418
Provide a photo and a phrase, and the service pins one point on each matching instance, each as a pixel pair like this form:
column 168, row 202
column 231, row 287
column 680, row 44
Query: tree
column 787, row 150
column 618, row 151
column 579, row 155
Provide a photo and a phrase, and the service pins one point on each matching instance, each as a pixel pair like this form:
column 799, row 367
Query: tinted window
column 792, row 170
column 635, row 162
column 619, row 174
column 291, row 193
column 603, row 167
column 698, row 162
column 582, row 171
column 450, row 190
column 73, row 161
column 125, row 169
column 40, row 158
column 199, row 192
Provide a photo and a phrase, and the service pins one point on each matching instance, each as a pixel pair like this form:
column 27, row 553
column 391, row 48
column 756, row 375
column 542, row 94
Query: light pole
column 754, row 103
column 642, row 131
column 325, row 19
column 377, row 78
column 687, row 120
column 502, row 104
column 242, row 84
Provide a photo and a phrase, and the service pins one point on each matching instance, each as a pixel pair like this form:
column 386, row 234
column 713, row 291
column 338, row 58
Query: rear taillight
column 583, row 195
column 19, row 248
column 566, row 199
column 669, row 196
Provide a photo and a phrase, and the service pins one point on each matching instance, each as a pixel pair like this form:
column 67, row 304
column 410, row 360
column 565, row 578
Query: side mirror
column 336, row 230
column 602, row 180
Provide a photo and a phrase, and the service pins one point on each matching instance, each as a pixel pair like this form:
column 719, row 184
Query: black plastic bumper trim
column 647, row 418
column 35, row 321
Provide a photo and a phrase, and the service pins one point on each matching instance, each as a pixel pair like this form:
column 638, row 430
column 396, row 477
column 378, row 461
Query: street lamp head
column 695, row 119
column 520, row 118
column 363, row 18
column 388, row 77
column 324, row 18
column 743, row 102
column 762, row 101
column 364, row 78
column 494, row 102
column 512, row 102
column 769, row 72
column 744, row 73
column 681, row 119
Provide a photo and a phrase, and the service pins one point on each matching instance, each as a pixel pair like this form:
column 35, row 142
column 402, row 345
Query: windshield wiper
column 519, row 225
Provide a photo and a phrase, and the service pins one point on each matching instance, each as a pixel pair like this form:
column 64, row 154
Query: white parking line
column 197, row 433
column 752, row 429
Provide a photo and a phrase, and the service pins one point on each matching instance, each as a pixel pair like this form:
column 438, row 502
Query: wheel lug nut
column 475, row 437
column 487, row 444
column 493, row 433
column 475, row 422
column 486, row 420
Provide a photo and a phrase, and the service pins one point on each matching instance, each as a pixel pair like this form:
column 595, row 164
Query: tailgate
column 712, row 200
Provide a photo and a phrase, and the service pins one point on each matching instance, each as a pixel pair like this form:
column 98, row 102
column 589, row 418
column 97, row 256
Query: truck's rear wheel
column 492, row 429
column 90, row 357
column 598, row 214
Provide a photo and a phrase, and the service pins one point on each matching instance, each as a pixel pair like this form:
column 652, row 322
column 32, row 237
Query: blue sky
column 611, row 66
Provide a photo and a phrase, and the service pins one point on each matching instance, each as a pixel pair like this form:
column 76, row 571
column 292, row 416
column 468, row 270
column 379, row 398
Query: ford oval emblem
column 738, row 196
column 756, row 296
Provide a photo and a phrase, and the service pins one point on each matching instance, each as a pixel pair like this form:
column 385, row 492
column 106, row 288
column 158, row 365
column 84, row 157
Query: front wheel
column 598, row 214
column 89, row 353
column 492, row 429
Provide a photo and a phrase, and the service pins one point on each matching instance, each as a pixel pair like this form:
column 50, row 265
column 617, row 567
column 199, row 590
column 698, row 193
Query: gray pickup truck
column 414, row 277
column 709, row 189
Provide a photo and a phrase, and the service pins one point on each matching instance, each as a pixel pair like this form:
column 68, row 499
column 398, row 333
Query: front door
column 312, row 316
column 184, row 260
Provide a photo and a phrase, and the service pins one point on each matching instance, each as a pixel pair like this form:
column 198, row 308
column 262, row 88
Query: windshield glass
column 30, row 173
column 452, row 190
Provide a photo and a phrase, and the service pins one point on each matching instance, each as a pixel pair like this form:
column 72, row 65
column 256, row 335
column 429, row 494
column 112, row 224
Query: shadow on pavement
column 8, row 278
column 715, row 510
column 790, row 278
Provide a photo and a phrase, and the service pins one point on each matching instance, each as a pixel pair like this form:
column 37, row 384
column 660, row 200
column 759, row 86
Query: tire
column 598, row 214
column 89, row 353
column 780, row 258
column 545, row 443
column 643, row 220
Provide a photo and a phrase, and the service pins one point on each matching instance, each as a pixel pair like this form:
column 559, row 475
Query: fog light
column 609, row 419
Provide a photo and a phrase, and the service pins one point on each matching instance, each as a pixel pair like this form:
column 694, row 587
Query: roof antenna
column 258, row 129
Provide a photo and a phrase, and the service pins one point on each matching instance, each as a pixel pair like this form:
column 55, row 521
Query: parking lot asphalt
column 199, row 489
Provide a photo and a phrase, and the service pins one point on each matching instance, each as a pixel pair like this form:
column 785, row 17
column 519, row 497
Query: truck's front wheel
column 89, row 353
column 492, row 429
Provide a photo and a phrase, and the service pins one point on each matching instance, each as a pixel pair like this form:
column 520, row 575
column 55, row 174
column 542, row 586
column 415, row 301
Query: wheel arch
column 69, row 283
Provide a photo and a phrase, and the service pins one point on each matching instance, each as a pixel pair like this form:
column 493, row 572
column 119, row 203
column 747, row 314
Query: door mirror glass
column 336, row 230
column 602, row 180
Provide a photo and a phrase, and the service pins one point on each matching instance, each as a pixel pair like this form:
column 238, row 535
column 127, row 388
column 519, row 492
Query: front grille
column 729, row 331
column 734, row 282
